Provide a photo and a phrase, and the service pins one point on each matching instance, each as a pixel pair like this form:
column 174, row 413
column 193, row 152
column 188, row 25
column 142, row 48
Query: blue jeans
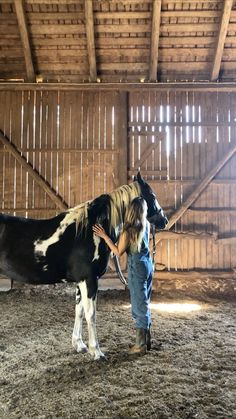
column 140, row 287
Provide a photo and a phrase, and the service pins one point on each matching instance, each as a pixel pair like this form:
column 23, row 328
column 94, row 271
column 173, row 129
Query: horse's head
column 155, row 214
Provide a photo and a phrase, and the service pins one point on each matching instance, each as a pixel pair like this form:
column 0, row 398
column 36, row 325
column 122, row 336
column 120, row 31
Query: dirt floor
column 189, row 373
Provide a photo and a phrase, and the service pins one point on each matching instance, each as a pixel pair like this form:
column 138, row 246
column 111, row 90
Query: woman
column 134, row 239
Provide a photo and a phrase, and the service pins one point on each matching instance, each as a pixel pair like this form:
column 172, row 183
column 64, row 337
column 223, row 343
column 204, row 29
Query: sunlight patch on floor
column 173, row 307
column 176, row 307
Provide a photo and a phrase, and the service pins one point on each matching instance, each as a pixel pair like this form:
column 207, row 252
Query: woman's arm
column 122, row 244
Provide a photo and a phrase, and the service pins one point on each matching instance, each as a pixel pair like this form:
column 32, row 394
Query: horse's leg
column 88, row 297
column 77, row 341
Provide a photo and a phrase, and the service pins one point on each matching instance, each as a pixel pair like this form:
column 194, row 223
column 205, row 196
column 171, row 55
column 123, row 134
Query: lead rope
column 119, row 272
column 153, row 245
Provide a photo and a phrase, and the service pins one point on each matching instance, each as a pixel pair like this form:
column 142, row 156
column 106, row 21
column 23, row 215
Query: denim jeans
column 140, row 287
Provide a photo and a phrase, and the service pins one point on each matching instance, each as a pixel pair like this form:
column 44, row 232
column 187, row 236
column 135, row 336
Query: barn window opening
column 187, row 121
column 199, row 128
column 229, row 126
column 132, row 137
column 217, row 128
column 167, row 130
column 113, row 127
column 193, row 119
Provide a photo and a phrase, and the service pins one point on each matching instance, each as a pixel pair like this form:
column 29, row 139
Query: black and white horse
column 65, row 247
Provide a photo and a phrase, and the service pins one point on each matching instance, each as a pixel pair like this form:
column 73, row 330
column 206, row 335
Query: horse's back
column 18, row 250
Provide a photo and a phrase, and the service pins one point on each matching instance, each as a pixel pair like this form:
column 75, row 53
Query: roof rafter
column 21, row 18
column 156, row 19
column 225, row 17
column 88, row 6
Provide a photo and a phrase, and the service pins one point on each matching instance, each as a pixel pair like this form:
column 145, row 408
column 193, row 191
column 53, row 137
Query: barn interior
column 91, row 91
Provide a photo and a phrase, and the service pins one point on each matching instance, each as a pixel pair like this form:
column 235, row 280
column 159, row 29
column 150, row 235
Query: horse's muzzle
column 158, row 220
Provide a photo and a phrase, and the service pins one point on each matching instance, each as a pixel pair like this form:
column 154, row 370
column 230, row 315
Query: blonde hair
column 120, row 198
column 135, row 223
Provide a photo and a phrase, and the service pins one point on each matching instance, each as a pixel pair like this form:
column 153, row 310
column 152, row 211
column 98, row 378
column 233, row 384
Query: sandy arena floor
column 189, row 373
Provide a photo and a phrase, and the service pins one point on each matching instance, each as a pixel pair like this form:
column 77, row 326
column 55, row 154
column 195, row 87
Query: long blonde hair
column 135, row 223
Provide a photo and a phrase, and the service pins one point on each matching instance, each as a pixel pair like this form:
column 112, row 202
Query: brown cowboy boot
column 140, row 346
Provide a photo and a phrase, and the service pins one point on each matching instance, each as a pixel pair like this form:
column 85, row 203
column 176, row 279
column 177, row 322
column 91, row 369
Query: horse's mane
column 118, row 199
column 79, row 215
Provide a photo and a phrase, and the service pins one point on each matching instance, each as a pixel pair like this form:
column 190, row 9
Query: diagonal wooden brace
column 199, row 189
column 33, row 173
column 147, row 152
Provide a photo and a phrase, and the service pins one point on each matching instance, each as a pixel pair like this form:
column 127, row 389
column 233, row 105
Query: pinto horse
column 65, row 248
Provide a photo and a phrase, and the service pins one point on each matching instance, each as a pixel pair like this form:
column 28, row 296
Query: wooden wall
column 190, row 133
column 70, row 139
column 87, row 143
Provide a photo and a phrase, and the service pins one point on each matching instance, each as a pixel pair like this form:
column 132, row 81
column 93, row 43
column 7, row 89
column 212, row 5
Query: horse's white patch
column 77, row 340
column 89, row 306
column 41, row 246
column 96, row 241
column 157, row 204
column 45, row 267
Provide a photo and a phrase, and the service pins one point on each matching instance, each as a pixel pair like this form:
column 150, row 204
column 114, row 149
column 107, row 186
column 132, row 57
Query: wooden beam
column 174, row 235
column 125, row 41
column 193, row 181
column 51, row 211
column 59, row 29
column 125, row 86
column 225, row 17
column 200, row 188
column 21, row 18
column 141, row 67
column 66, row 150
column 74, row 29
column 124, row 2
column 156, row 19
column 189, row 275
column 88, row 7
column 136, row 126
column 138, row 133
column 198, row 275
column 32, row 172
column 162, row 172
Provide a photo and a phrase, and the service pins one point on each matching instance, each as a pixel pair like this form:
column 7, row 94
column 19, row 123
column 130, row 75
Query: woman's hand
column 118, row 249
column 100, row 232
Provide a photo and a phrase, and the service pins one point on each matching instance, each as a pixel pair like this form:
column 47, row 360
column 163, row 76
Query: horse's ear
column 139, row 178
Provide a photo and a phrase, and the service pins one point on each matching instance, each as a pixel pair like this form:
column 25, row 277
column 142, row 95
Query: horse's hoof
column 102, row 358
column 98, row 356
column 79, row 347
column 82, row 350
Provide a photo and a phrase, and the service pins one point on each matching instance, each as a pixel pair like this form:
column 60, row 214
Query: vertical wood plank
column 122, row 134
